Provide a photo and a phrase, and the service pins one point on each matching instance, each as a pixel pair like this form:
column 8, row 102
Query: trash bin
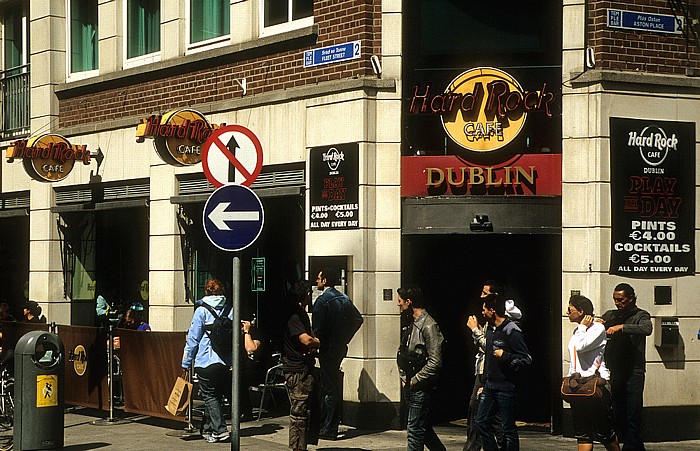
column 39, row 373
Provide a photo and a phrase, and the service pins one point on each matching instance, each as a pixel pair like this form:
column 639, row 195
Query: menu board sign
column 652, row 183
column 334, row 187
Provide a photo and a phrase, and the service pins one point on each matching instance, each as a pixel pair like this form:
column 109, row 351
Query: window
column 209, row 20
column 283, row 15
column 142, row 28
column 15, row 36
column 83, row 35
column 14, row 78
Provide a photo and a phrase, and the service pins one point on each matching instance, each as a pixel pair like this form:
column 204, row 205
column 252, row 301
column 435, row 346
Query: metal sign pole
column 110, row 371
column 235, row 378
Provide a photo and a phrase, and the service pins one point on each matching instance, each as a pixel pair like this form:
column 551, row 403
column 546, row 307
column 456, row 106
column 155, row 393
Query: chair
column 274, row 379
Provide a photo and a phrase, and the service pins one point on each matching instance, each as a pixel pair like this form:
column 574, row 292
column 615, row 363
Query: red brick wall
column 338, row 21
column 639, row 51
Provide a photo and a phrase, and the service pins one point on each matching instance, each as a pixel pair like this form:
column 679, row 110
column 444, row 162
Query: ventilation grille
column 127, row 192
column 73, row 196
column 14, row 202
column 122, row 192
column 266, row 180
column 280, row 178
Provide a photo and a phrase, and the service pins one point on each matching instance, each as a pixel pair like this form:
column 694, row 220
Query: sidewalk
column 270, row 434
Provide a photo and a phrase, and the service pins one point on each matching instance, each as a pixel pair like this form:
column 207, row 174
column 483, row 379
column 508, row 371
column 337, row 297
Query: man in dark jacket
column 335, row 321
column 625, row 356
column 419, row 360
column 505, row 354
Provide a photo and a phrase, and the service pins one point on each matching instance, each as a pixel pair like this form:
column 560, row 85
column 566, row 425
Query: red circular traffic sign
column 232, row 155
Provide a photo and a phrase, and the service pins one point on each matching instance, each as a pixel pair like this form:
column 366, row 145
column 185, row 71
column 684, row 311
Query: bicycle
column 7, row 403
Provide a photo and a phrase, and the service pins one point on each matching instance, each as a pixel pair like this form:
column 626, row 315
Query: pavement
column 88, row 429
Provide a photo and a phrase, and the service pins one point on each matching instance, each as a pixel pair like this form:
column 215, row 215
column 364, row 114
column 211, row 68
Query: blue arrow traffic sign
column 233, row 217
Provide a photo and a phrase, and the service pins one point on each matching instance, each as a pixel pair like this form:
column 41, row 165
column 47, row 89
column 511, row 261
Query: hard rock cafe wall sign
column 177, row 135
column 48, row 158
column 482, row 109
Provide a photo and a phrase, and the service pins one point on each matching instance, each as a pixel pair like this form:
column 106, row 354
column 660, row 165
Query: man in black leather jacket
column 419, row 360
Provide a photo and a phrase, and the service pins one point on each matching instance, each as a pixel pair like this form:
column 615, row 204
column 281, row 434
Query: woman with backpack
column 212, row 369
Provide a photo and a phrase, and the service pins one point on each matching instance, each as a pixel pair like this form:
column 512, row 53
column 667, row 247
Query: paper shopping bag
column 179, row 396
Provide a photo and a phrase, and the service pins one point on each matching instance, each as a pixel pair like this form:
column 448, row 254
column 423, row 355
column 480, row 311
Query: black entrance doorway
column 451, row 270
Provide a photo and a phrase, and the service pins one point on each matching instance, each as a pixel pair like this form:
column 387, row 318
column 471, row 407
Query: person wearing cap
column 505, row 354
column 32, row 313
column 133, row 320
column 473, row 442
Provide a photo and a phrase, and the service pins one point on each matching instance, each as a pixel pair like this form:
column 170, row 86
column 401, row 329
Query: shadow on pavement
column 86, row 446
column 341, row 448
column 263, row 429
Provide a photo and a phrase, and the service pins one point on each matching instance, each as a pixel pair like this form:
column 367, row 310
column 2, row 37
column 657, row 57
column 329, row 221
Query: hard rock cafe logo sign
column 482, row 109
column 177, row 135
column 48, row 158
column 79, row 359
column 653, row 144
column 333, row 157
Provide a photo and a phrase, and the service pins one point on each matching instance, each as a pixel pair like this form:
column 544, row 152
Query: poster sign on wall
column 334, row 187
column 652, row 178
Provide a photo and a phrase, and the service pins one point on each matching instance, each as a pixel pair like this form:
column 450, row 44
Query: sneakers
column 221, row 437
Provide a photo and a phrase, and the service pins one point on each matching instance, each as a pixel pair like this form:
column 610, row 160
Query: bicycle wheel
column 7, row 404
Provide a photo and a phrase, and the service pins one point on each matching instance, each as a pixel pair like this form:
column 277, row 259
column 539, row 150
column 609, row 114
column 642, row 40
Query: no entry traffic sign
column 233, row 217
column 232, row 154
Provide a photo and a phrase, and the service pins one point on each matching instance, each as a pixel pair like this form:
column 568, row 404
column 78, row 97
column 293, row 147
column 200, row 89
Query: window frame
column 74, row 76
column 219, row 41
column 140, row 60
column 24, row 23
column 289, row 25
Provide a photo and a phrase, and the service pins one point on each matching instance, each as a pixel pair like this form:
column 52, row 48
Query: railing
column 15, row 102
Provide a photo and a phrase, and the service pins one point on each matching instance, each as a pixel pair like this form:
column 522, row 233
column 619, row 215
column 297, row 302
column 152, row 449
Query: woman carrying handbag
column 592, row 415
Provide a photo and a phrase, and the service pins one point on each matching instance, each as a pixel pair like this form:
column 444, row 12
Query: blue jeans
column 331, row 391
column 494, row 401
column 213, row 382
column 627, row 402
column 419, row 431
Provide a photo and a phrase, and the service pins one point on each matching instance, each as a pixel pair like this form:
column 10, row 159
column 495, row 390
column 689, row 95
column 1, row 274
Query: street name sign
column 233, row 217
column 636, row 20
column 332, row 54
column 232, row 154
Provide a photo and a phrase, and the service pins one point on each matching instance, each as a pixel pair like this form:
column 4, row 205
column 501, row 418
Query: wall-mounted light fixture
column 376, row 65
column 99, row 157
column 481, row 223
column 590, row 58
column 243, row 83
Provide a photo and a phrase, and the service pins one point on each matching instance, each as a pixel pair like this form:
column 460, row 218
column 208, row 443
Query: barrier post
column 110, row 383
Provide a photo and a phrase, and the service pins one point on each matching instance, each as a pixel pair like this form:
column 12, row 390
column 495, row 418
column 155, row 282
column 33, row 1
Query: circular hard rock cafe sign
column 490, row 113
column 79, row 358
column 482, row 109
column 48, row 158
column 177, row 135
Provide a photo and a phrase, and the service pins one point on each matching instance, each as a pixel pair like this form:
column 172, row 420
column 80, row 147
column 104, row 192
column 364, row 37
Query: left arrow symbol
column 219, row 216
